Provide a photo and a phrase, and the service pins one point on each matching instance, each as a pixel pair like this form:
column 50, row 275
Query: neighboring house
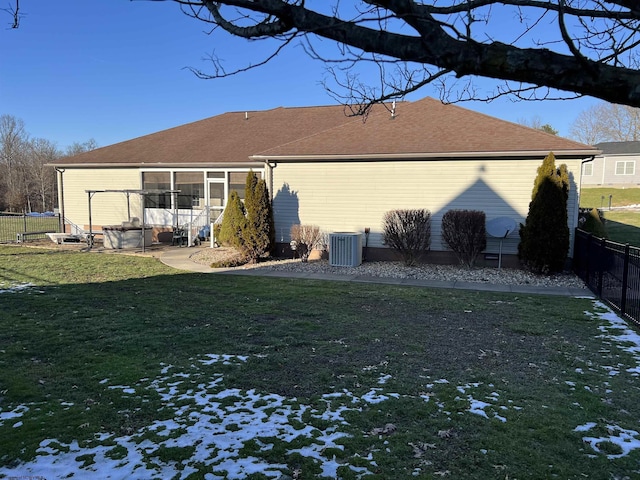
column 617, row 166
column 325, row 169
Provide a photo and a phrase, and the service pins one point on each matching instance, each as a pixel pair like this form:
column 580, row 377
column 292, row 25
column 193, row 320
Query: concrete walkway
column 179, row 258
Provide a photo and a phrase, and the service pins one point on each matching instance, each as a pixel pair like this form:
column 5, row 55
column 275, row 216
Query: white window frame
column 622, row 167
column 587, row 170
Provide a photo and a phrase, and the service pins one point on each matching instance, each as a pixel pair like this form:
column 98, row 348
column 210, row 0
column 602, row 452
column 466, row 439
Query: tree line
column 27, row 183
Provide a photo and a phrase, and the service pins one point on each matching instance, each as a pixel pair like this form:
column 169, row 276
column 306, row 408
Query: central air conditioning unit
column 345, row 249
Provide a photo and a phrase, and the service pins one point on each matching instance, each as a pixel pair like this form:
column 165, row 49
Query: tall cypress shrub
column 544, row 238
column 259, row 231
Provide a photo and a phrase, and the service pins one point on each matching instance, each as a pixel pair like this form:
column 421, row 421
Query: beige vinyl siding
column 350, row 196
column 106, row 208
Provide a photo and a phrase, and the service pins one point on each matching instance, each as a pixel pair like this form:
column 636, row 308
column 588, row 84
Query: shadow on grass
column 623, row 233
column 74, row 344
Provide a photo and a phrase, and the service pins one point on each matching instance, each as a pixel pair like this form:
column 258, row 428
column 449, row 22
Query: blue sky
column 113, row 70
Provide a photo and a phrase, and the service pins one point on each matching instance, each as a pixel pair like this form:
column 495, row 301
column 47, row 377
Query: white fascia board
column 424, row 156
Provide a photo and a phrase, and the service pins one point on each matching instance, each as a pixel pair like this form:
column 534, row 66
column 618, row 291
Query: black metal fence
column 27, row 226
column 611, row 270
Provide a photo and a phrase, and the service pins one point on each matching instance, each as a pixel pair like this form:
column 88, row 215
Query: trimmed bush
column 591, row 221
column 464, row 232
column 306, row 238
column 544, row 238
column 408, row 232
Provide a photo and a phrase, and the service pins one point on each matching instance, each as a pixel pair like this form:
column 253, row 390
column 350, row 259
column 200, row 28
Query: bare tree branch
column 14, row 11
column 441, row 36
column 582, row 47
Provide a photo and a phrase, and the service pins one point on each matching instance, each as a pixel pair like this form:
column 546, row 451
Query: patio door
column 216, row 196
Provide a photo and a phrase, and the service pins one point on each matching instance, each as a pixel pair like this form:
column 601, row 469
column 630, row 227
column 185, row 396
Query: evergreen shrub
column 464, row 232
column 408, row 232
column 591, row 221
column 233, row 222
column 544, row 237
column 258, row 235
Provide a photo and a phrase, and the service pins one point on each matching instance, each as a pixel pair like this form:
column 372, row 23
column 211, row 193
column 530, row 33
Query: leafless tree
column 41, row 178
column 76, row 147
column 13, row 146
column 538, row 49
column 536, row 122
column 606, row 122
column 27, row 181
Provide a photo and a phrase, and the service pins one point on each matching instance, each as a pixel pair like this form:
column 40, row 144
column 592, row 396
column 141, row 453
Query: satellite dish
column 501, row 227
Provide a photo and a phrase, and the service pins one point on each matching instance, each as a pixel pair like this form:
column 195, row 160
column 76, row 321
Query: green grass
column 96, row 325
column 623, row 226
column 620, row 197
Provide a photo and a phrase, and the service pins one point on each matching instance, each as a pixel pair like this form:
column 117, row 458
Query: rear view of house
column 324, row 168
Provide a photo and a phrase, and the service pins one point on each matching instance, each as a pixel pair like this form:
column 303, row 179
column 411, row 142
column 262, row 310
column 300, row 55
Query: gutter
column 420, row 156
column 158, row 165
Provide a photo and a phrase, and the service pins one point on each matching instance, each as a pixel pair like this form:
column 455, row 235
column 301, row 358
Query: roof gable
column 426, row 126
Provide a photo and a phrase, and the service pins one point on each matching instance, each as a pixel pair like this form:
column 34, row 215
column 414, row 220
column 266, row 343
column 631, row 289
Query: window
column 157, row 181
column 626, row 168
column 191, row 186
column 587, row 169
column 238, row 181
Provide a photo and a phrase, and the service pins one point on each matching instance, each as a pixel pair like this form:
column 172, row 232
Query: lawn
column 115, row 366
column 623, row 226
column 599, row 197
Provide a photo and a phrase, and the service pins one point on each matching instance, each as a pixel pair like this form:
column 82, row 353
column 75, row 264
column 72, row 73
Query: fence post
column 603, row 248
column 587, row 257
column 625, row 279
column 24, row 221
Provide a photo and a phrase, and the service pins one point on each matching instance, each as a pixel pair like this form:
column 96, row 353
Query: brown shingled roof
column 427, row 127
column 423, row 127
column 227, row 139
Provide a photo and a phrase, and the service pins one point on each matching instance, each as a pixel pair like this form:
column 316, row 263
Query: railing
column 34, row 225
column 611, row 270
column 196, row 224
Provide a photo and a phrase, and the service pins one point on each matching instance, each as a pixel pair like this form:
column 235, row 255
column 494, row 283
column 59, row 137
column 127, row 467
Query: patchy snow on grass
column 17, row 288
column 230, row 432
column 615, row 330
column 626, row 441
column 17, row 412
column 224, row 428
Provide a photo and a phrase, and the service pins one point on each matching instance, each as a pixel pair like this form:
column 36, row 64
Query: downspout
column 269, row 173
column 582, row 162
column 63, row 227
column 268, row 169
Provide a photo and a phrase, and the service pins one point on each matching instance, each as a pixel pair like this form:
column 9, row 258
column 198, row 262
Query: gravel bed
column 504, row 276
